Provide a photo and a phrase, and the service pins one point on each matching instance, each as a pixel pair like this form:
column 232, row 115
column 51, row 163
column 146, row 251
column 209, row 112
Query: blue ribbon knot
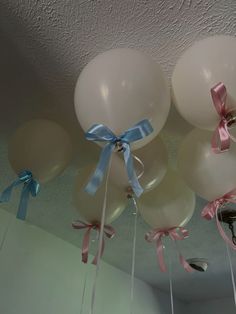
column 101, row 133
column 30, row 187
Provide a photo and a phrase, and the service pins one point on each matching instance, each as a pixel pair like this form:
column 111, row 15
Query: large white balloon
column 210, row 175
column 120, row 87
column 169, row 205
column 90, row 207
column 201, row 67
column 41, row 146
column 155, row 160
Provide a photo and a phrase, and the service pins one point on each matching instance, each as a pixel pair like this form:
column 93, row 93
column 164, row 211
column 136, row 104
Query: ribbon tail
column 209, row 211
column 85, row 246
column 160, row 256
column 34, row 188
column 109, row 231
column 133, row 179
column 6, row 194
column 99, row 172
column 24, row 199
column 174, row 235
column 182, row 260
column 95, row 260
column 221, row 139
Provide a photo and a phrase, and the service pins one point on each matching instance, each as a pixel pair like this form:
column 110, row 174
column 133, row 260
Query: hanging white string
column 171, row 288
column 100, row 239
column 139, row 175
column 231, row 271
column 135, row 213
column 84, row 291
column 170, row 282
column 4, row 237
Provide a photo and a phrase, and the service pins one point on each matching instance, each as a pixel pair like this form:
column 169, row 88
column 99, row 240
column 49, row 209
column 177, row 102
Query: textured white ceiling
column 44, row 46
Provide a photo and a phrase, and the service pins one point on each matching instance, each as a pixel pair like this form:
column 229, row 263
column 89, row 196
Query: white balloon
column 171, row 204
column 119, row 88
column 208, row 174
column 90, row 207
column 41, row 146
column 200, row 68
column 155, row 160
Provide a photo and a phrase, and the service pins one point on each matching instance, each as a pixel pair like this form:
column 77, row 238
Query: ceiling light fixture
column 228, row 216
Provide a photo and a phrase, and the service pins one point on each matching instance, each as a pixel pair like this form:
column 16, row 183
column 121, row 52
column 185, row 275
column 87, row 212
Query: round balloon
column 201, row 67
column 210, row 175
column 169, row 205
column 151, row 170
column 119, row 88
column 41, row 146
column 89, row 207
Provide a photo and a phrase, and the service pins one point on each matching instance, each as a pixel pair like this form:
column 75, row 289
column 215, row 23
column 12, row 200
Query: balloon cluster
column 122, row 102
column 204, row 90
column 121, row 91
column 115, row 91
column 203, row 80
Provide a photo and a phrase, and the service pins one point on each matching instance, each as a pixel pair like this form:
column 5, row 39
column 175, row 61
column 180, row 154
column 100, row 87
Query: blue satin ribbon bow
column 31, row 186
column 101, row 133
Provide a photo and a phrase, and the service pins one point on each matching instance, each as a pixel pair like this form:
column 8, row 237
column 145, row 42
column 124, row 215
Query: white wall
column 179, row 306
column 42, row 274
column 218, row 306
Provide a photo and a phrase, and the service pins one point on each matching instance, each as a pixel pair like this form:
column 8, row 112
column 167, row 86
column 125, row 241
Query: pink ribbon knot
column 109, row 232
column 211, row 210
column 176, row 233
column 221, row 137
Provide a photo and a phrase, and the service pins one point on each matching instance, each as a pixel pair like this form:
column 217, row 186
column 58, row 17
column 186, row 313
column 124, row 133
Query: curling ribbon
column 176, row 233
column 101, row 133
column 231, row 272
column 30, row 187
column 4, row 237
column 171, row 286
column 108, row 231
column 84, row 291
column 135, row 213
column 100, row 240
column 211, row 210
column 221, row 137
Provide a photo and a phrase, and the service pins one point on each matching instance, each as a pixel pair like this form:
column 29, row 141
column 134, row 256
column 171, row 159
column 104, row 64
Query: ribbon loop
column 30, row 187
column 219, row 95
column 109, row 232
column 176, row 233
column 101, row 133
column 212, row 208
column 221, row 137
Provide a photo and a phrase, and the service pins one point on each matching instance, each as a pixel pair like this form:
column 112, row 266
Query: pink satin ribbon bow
column 108, row 231
column 211, row 210
column 176, row 233
column 221, row 137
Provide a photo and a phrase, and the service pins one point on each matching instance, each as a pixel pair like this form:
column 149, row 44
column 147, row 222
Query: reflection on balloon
column 169, row 205
column 208, row 174
column 154, row 158
column 90, row 208
column 41, row 146
column 201, row 67
column 119, row 88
